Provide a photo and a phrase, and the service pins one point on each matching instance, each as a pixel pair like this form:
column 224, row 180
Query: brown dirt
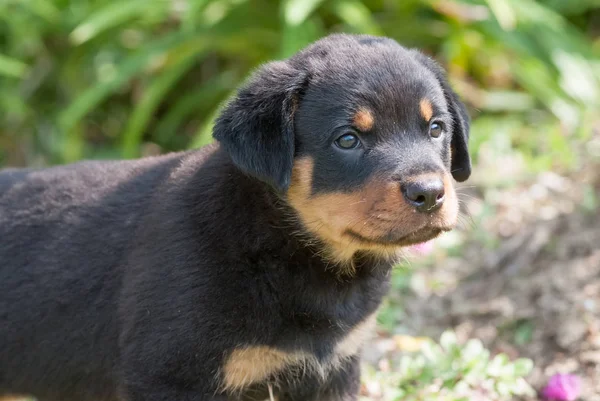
column 526, row 280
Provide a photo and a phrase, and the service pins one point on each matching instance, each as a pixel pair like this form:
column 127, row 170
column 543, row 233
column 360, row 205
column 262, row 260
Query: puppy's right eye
column 348, row 141
column 436, row 129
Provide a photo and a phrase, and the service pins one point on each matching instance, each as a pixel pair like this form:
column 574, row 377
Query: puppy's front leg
column 155, row 377
column 342, row 385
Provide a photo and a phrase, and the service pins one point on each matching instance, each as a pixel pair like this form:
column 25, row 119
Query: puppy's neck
column 261, row 221
column 343, row 261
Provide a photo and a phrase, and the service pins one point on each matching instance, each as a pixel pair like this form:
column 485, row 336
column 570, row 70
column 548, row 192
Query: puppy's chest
column 316, row 358
column 325, row 322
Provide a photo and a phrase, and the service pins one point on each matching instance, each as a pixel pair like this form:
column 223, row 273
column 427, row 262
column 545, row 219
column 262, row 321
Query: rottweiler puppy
column 250, row 269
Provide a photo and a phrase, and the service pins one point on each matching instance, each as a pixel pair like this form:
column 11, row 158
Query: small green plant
column 450, row 371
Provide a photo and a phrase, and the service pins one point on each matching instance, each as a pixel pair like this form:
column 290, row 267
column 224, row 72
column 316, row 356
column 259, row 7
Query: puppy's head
column 362, row 138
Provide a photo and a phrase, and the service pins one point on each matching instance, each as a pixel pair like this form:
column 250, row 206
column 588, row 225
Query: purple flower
column 562, row 387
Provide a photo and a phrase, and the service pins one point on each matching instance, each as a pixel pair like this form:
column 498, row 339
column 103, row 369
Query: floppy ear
column 461, row 161
column 256, row 128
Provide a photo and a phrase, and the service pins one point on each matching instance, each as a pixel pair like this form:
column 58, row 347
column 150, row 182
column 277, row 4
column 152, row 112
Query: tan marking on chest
column 246, row 366
column 426, row 109
column 249, row 365
column 353, row 342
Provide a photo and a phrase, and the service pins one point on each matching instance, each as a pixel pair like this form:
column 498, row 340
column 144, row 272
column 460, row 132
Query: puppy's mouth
column 400, row 240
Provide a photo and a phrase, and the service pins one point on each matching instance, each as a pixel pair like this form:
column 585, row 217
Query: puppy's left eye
column 348, row 141
column 436, row 129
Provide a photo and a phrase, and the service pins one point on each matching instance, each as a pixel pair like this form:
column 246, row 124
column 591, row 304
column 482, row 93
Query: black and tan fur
column 255, row 262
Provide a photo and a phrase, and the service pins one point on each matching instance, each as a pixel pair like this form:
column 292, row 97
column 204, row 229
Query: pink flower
column 562, row 387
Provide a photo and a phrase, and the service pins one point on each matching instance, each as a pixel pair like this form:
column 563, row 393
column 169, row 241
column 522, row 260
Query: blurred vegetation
column 452, row 371
column 112, row 79
column 122, row 79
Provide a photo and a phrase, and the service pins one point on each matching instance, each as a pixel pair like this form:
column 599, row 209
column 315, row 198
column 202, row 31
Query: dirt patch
column 526, row 279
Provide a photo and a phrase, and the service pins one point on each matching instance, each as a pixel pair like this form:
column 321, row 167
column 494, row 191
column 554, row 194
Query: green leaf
column 572, row 7
column 448, row 340
column 127, row 69
column 431, row 351
column 144, row 110
column 113, row 14
column 524, row 332
column 503, row 389
column 45, row 9
column 496, row 368
column 295, row 37
column 522, row 367
column 590, row 199
column 523, row 388
column 191, row 14
column 504, row 13
column 406, row 362
column 12, row 68
column 357, row 15
column 577, row 77
column 473, row 350
column 295, row 12
column 197, row 99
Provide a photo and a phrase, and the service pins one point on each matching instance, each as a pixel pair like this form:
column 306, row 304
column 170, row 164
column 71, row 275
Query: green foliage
column 106, row 78
column 450, row 371
column 112, row 78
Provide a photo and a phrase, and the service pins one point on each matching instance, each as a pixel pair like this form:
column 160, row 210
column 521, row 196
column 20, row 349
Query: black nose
column 426, row 195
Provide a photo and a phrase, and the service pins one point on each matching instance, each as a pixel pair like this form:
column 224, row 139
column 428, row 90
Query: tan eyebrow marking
column 363, row 119
column 426, row 109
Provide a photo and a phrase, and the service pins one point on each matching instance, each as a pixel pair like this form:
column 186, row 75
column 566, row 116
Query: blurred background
column 122, row 79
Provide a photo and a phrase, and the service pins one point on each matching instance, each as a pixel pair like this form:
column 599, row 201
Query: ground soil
column 526, row 280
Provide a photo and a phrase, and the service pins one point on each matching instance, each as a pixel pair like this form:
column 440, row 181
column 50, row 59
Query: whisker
column 467, row 222
column 356, row 203
column 466, row 196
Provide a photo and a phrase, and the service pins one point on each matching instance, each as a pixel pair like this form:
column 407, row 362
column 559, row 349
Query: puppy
column 249, row 269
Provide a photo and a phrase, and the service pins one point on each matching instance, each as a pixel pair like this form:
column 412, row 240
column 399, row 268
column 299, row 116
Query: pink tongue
column 423, row 248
